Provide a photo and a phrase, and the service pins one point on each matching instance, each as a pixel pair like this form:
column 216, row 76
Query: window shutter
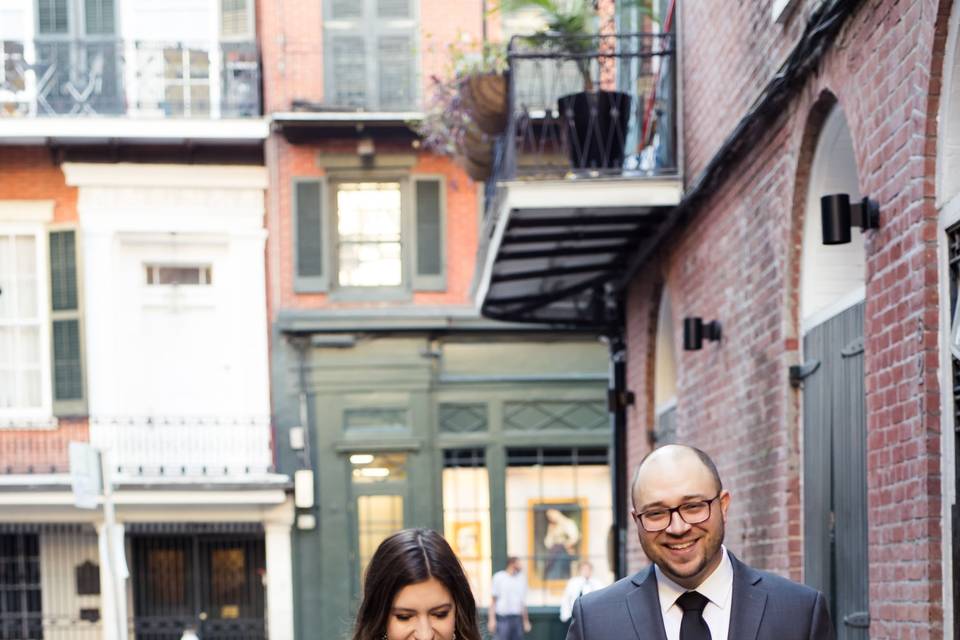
column 393, row 8
column 349, row 71
column 99, row 16
column 52, row 16
column 340, row 9
column 67, row 350
column 234, row 19
column 428, row 239
column 310, row 237
column 395, row 62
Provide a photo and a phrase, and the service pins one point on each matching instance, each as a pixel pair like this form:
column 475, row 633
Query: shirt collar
column 716, row 588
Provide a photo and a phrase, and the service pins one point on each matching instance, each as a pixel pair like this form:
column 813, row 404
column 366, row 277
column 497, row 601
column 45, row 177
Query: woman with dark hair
column 415, row 589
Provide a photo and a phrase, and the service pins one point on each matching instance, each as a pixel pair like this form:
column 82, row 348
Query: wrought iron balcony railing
column 129, row 78
column 591, row 106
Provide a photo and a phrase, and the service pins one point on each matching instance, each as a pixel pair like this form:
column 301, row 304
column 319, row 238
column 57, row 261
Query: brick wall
column 28, row 173
column 738, row 261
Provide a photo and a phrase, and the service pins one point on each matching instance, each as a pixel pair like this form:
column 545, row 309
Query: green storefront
column 486, row 435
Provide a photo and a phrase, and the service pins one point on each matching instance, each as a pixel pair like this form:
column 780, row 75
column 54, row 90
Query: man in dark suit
column 696, row 589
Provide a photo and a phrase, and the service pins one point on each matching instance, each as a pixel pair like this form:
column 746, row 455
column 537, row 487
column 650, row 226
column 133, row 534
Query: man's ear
column 724, row 503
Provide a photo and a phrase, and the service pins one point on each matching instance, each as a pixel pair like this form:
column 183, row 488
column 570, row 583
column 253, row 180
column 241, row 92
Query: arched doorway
column 948, row 203
column 834, row 414
column 665, row 375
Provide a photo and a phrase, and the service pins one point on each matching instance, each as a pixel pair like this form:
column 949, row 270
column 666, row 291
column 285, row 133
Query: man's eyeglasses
column 659, row 519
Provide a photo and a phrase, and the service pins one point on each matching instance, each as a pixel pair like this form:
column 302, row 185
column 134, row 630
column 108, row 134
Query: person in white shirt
column 576, row 587
column 507, row 618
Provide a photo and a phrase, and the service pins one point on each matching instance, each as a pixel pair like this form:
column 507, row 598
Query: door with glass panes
column 378, row 484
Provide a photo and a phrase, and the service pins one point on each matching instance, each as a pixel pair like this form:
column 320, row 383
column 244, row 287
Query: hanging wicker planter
column 476, row 153
column 484, row 97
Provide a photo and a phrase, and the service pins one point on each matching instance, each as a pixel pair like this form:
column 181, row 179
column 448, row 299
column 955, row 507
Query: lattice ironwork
column 953, row 240
column 554, row 415
column 90, row 78
column 463, row 418
column 591, row 106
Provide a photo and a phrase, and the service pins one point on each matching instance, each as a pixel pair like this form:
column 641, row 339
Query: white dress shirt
column 577, row 586
column 717, row 588
column 509, row 592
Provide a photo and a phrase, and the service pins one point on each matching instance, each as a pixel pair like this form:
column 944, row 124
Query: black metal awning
column 552, row 264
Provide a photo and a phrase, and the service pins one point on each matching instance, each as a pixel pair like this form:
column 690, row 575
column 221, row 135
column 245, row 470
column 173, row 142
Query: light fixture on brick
column 695, row 331
column 838, row 215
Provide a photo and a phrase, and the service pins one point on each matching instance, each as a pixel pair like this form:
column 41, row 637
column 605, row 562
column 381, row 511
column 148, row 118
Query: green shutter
column 63, row 270
column 396, row 61
column 99, row 17
column 428, row 240
column 52, row 16
column 310, row 237
column 67, row 367
column 67, row 348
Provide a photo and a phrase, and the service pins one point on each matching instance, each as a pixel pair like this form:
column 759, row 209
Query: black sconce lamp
column 839, row 215
column 695, row 331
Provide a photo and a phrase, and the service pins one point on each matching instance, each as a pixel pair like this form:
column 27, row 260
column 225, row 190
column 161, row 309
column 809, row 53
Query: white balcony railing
column 184, row 446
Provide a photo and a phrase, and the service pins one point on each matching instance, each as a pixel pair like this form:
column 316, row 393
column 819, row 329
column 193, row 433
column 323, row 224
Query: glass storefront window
column 370, row 468
column 466, row 516
column 559, row 512
column 379, row 487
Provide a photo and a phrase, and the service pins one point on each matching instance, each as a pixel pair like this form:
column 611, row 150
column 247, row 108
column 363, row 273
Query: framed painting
column 466, row 539
column 557, row 540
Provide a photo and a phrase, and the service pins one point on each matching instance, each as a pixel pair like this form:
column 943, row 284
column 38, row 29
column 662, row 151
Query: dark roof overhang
column 550, row 258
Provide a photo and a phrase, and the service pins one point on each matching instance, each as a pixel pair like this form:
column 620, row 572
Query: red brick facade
column 738, row 260
column 291, row 37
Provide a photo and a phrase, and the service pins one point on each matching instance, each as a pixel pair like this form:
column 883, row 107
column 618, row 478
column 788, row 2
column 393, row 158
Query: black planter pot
column 595, row 128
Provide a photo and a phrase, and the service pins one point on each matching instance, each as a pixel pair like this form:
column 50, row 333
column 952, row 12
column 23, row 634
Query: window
column 466, row 516
column 371, row 56
column 41, row 367
column 22, row 322
column 369, row 236
column 178, row 275
column 78, row 57
column 559, row 511
column 21, row 615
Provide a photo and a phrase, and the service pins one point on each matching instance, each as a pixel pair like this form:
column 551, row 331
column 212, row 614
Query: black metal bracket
column 800, row 372
column 865, row 214
column 857, row 619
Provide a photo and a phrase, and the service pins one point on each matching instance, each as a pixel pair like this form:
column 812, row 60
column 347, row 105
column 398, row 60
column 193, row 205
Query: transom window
column 369, row 234
column 158, row 275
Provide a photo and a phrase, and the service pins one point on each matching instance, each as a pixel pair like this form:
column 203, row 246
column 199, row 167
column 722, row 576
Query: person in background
column 415, row 589
column 577, row 586
column 507, row 618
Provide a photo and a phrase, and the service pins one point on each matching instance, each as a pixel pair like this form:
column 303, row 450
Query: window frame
column 369, row 27
column 44, row 413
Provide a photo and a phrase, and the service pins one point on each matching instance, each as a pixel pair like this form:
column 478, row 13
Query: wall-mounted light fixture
column 695, row 331
column 838, row 215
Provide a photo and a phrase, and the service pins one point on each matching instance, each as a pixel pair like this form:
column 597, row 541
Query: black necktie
column 693, row 627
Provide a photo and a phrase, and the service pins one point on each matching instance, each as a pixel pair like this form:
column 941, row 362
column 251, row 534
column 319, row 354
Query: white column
column 279, row 581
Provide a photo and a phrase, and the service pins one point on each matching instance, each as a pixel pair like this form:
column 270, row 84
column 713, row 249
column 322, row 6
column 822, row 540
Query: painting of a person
column 560, row 540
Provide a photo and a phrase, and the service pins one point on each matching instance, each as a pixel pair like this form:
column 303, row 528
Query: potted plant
column 594, row 121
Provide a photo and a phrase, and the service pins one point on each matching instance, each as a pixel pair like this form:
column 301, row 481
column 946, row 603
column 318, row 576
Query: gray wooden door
column 835, row 474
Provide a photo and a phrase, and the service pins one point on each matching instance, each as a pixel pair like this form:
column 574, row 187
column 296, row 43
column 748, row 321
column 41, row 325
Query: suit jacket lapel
column 748, row 601
column 643, row 603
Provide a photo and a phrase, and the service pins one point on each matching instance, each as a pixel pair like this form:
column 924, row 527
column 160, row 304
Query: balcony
column 590, row 107
column 148, row 448
column 583, row 177
column 136, row 79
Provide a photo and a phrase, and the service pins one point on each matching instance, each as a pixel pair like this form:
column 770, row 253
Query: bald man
column 696, row 589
